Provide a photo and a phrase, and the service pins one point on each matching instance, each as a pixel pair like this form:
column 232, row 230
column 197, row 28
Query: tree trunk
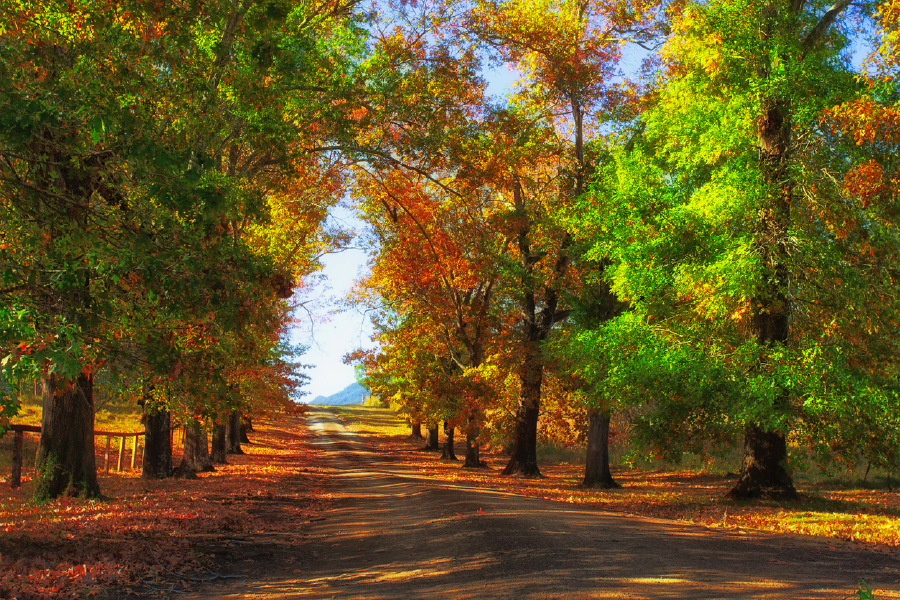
column 217, row 447
column 447, row 452
column 203, row 459
column 233, row 433
column 431, row 440
column 248, row 424
column 523, row 461
column 473, row 450
column 763, row 471
column 157, row 462
column 596, row 465
column 15, row 477
column 243, row 432
column 536, row 325
column 65, row 462
column 416, row 431
column 190, row 458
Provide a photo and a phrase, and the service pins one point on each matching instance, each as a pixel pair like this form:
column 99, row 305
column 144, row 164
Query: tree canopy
column 705, row 243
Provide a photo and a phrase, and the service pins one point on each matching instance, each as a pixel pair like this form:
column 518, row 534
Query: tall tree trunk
column 431, row 440
column 157, row 462
column 203, row 458
column 243, row 432
column 763, row 470
column 415, row 431
column 233, row 433
column 523, row 460
column 217, row 446
column 447, row 452
column 473, row 450
column 536, row 325
column 65, row 462
column 189, row 457
column 596, row 464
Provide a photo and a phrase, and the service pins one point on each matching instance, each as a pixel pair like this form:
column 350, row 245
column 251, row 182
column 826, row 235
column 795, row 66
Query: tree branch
column 818, row 32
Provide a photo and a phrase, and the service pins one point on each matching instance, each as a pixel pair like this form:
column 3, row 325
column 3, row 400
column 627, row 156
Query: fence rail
column 15, row 479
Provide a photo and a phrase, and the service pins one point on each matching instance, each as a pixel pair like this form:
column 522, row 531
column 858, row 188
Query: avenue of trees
column 706, row 242
column 163, row 189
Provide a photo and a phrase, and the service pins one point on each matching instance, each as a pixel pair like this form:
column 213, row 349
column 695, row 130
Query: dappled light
column 398, row 531
column 869, row 518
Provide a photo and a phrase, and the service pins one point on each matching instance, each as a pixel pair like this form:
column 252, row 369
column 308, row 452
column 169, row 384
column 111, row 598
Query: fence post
column 121, row 452
column 134, row 451
column 15, row 480
column 107, row 454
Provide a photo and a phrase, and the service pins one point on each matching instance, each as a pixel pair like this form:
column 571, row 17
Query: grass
column 861, row 515
column 111, row 417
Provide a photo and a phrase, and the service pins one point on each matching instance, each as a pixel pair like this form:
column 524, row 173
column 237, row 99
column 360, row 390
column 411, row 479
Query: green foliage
column 677, row 221
column 864, row 592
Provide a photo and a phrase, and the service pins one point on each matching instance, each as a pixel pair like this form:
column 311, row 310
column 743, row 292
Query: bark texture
column 431, row 440
column 65, row 462
column 473, row 449
column 415, row 431
column 523, row 460
column 157, row 445
column 763, row 473
column 15, row 478
column 596, row 464
column 447, row 452
column 217, row 445
column 188, row 466
column 195, row 458
column 233, row 433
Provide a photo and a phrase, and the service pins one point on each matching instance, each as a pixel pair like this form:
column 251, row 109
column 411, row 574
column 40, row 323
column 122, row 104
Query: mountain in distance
column 352, row 394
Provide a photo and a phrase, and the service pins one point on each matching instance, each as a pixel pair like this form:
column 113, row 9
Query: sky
column 328, row 327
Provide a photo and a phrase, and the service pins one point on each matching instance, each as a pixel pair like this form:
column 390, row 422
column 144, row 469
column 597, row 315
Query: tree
column 715, row 240
column 419, row 195
column 568, row 52
column 117, row 194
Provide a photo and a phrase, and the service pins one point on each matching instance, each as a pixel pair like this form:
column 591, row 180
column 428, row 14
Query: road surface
column 395, row 534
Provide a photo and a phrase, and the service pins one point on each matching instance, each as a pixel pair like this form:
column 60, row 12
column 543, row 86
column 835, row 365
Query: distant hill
column 352, row 394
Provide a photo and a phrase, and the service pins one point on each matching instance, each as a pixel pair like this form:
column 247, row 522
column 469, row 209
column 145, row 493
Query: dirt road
column 394, row 534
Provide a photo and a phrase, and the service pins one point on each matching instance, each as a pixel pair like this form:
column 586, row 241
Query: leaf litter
column 151, row 536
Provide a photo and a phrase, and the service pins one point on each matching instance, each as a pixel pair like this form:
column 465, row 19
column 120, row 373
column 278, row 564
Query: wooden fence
column 15, row 479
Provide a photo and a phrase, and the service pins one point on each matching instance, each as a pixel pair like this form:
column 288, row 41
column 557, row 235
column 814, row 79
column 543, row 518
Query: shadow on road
column 396, row 534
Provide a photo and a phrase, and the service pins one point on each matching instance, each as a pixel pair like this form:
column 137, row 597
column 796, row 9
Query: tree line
column 164, row 182
column 705, row 243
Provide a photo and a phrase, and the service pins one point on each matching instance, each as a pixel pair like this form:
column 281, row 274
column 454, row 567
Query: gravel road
column 395, row 534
